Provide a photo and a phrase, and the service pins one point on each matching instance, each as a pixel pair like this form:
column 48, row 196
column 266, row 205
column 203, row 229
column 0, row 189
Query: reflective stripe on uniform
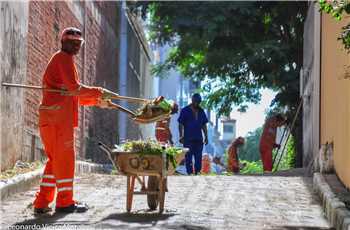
column 48, row 184
column 49, row 176
column 160, row 128
column 53, row 107
column 64, row 181
column 64, row 189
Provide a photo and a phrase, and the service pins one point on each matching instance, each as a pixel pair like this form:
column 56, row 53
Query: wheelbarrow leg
column 130, row 192
column 161, row 194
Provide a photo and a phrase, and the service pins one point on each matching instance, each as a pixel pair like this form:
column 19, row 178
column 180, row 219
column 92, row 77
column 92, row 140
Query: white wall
column 13, row 68
column 310, row 84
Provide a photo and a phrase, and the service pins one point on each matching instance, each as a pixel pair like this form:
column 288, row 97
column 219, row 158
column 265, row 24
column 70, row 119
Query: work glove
column 107, row 94
column 103, row 104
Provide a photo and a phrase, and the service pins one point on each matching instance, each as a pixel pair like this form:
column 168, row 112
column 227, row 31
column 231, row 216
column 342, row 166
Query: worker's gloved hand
column 277, row 146
column 103, row 104
column 107, row 94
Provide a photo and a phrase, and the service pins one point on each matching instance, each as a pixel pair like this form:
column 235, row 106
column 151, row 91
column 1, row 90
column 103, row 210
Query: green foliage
column 287, row 161
column 21, row 168
column 237, row 47
column 233, row 48
column 335, row 8
column 291, row 152
column 225, row 157
column 338, row 9
column 289, row 156
column 345, row 37
column 150, row 147
column 252, row 167
column 250, row 150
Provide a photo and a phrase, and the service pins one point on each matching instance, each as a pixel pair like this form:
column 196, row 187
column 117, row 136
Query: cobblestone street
column 200, row 202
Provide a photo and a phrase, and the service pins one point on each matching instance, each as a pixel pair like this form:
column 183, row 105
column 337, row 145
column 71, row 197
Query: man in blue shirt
column 192, row 121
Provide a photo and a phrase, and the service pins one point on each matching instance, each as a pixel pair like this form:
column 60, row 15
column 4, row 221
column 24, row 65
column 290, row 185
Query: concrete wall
column 13, row 65
column 335, row 95
column 139, row 82
column 310, row 85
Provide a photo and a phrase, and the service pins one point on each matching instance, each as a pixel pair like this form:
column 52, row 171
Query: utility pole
column 123, row 69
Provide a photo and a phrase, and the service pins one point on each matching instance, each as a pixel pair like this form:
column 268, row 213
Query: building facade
column 326, row 91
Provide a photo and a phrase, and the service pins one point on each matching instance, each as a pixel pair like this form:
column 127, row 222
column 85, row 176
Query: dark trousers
column 195, row 150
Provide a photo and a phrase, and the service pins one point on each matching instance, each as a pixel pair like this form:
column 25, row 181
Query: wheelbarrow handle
column 108, row 151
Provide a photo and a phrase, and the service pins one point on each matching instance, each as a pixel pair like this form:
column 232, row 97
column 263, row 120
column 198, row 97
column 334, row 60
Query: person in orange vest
column 58, row 116
column 233, row 160
column 268, row 140
column 206, row 166
column 163, row 132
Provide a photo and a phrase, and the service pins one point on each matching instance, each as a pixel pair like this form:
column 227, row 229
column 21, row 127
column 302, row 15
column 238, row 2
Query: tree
column 235, row 48
column 250, row 150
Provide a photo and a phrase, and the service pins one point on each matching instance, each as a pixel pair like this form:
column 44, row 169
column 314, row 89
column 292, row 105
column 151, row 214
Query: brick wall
column 97, row 62
column 101, row 69
column 41, row 23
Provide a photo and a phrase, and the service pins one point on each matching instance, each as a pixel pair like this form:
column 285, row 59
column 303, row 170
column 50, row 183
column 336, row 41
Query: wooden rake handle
column 62, row 91
column 112, row 105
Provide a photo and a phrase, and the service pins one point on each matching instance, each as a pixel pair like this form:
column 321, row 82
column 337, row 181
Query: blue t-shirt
column 192, row 126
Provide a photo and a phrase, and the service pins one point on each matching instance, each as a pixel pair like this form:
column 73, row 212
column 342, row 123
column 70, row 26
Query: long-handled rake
column 111, row 105
column 290, row 131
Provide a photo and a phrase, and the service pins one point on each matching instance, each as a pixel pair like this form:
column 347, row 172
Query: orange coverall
column 205, row 164
column 233, row 160
column 163, row 133
column 268, row 143
column 58, row 115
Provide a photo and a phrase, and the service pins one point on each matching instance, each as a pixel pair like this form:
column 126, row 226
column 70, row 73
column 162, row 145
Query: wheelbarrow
column 150, row 171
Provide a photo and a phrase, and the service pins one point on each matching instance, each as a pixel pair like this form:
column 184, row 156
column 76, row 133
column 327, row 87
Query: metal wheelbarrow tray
column 148, row 170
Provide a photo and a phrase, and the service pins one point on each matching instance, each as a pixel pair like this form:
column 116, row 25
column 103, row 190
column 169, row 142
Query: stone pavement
column 198, row 202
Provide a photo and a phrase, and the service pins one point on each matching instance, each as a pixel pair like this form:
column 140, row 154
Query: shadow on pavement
column 45, row 221
column 145, row 220
column 301, row 228
column 162, row 226
column 142, row 218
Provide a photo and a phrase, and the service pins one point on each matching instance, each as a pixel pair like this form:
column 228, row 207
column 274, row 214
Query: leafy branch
column 338, row 9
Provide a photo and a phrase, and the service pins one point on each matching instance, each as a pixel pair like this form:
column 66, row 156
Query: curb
column 19, row 183
column 334, row 209
column 24, row 182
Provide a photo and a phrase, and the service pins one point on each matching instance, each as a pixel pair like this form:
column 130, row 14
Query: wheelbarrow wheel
column 152, row 185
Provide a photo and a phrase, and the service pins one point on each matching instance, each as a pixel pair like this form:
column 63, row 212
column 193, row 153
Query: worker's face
column 72, row 47
column 195, row 103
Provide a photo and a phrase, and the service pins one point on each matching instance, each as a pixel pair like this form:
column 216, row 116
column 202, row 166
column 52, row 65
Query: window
column 228, row 129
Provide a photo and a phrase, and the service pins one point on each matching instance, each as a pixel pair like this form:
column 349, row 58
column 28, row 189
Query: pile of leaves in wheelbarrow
column 154, row 110
column 151, row 147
